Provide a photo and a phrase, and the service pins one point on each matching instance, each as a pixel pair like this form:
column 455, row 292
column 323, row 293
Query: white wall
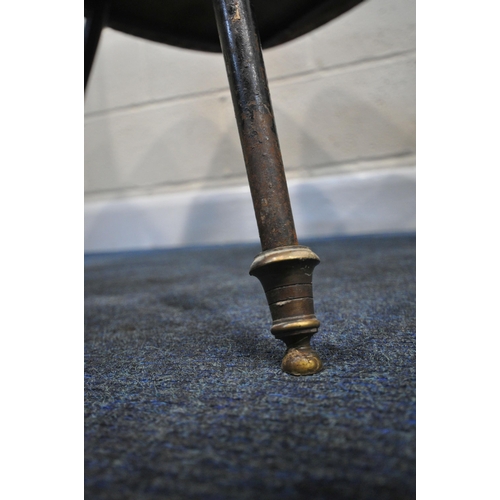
column 161, row 138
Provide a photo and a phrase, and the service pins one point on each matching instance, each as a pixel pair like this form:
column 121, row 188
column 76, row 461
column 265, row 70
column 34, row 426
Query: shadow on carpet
column 185, row 399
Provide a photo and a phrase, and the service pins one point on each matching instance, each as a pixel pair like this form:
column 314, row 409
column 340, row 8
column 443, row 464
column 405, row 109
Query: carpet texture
column 185, row 399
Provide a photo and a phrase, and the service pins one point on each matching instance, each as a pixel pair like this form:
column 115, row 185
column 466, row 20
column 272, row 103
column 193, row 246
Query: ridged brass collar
column 281, row 254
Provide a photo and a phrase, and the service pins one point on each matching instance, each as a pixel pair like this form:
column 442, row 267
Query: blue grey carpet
column 185, row 398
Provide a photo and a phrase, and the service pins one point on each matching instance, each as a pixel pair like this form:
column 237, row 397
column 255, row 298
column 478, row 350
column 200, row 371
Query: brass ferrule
column 286, row 276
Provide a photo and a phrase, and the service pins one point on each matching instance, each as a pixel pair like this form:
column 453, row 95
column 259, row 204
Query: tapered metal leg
column 284, row 267
column 93, row 28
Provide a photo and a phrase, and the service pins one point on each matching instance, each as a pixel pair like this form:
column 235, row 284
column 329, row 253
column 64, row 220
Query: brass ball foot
column 300, row 359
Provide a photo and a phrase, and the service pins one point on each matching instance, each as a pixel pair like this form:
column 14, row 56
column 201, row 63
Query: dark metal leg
column 93, row 28
column 284, row 267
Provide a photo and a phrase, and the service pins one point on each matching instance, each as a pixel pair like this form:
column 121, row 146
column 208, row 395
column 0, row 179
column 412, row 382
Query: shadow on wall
column 319, row 212
column 338, row 127
column 351, row 203
column 123, row 226
column 365, row 202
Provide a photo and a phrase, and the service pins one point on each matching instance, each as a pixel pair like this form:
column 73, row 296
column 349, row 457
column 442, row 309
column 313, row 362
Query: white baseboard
column 374, row 201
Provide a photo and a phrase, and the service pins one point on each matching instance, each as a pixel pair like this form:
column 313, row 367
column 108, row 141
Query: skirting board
column 373, row 201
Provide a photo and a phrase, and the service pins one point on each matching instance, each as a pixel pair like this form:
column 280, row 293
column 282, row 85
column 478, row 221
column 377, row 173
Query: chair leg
column 284, row 267
column 93, row 28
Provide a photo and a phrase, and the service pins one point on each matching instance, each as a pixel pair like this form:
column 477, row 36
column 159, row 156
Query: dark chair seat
column 191, row 23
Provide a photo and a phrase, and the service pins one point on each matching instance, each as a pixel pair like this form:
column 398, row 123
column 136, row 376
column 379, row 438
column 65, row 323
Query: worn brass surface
column 300, row 358
column 286, row 276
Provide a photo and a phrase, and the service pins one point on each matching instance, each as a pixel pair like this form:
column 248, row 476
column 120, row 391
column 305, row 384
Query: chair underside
column 191, row 23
